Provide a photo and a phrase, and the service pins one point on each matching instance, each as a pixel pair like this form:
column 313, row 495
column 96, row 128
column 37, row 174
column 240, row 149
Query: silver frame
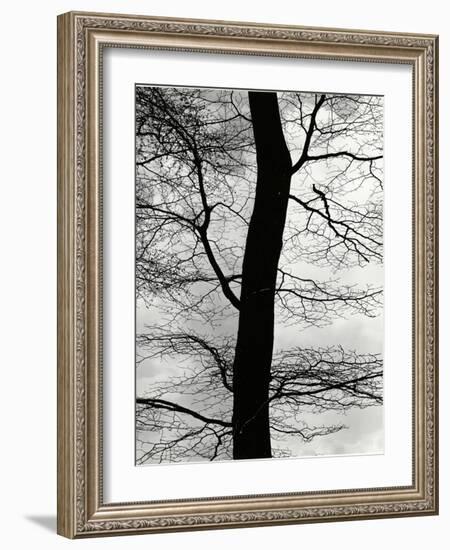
column 81, row 39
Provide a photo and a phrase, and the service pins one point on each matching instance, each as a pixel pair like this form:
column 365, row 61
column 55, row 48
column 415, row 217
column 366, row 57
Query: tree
column 235, row 192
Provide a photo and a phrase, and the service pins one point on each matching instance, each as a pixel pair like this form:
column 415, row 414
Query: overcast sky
column 365, row 427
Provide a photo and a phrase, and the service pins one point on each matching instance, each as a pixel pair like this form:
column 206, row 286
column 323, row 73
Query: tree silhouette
column 237, row 193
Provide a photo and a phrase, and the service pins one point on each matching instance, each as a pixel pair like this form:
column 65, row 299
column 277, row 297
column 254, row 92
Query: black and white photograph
column 259, row 274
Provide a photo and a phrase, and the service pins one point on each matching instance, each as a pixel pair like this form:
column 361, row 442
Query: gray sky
column 365, row 427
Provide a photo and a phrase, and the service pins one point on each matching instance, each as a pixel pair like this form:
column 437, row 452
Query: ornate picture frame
column 82, row 510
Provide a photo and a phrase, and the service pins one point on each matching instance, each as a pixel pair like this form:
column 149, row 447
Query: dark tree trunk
column 253, row 356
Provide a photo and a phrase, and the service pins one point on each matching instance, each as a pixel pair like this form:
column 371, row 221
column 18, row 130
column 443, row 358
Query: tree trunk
column 254, row 347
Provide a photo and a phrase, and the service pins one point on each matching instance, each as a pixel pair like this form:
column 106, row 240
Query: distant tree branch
column 169, row 406
column 340, row 228
column 309, row 134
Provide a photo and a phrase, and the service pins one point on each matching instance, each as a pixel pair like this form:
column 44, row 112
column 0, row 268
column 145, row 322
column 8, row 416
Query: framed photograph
column 247, row 276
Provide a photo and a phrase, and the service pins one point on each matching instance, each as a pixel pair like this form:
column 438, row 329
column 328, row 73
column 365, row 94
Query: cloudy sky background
column 365, row 427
